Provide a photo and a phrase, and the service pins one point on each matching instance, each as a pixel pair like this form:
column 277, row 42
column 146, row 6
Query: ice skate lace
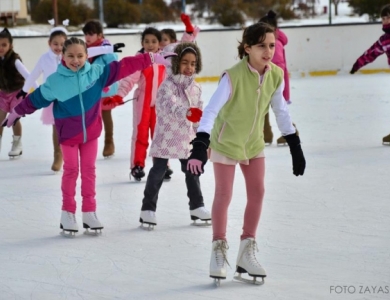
column 15, row 145
column 95, row 216
column 251, row 247
column 220, row 253
column 204, row 211
column 71, row 217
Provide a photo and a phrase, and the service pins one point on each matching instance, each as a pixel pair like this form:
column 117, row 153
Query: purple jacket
column 378, row 48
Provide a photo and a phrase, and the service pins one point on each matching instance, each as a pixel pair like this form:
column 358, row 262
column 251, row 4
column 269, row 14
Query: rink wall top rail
column 312, row 50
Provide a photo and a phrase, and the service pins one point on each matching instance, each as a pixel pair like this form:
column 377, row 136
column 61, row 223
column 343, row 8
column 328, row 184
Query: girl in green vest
column 232, row 126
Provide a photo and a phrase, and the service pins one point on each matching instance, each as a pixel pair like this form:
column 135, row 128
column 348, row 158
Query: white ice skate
column 16, row 149
column 68, row 224
column 91, row 221
column 148, row 217
column 201, row 213
column 247, row 263
column 218, row 261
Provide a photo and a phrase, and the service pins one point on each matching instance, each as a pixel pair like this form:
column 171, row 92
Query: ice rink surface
column 325, row 235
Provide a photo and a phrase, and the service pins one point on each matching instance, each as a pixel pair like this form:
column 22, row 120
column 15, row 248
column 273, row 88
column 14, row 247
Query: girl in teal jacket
column 75, row 91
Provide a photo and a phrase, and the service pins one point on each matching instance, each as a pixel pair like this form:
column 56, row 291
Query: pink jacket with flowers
column 173, row 132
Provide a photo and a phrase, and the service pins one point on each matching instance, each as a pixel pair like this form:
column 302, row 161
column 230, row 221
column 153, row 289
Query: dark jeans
column 156, row 179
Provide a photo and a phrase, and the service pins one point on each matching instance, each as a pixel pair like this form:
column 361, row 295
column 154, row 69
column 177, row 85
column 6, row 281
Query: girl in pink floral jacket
column 178, row 110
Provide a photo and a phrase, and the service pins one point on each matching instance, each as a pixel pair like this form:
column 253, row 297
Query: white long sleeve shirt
column 23, row 71
column 222, row 95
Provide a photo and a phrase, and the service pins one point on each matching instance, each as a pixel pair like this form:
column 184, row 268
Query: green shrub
column 118, row 12
column 228, row 12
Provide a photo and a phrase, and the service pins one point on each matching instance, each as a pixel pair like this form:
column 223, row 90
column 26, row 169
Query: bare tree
column 55, row 12
column 336, row 6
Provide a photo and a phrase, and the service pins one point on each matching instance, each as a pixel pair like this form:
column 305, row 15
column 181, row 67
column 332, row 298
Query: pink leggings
column 88, row 154
column 254, row 181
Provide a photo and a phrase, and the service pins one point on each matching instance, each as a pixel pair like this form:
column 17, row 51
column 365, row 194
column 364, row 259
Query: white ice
column 327, row 229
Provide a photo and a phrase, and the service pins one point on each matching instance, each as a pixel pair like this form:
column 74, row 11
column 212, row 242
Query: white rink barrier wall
column 311, row 51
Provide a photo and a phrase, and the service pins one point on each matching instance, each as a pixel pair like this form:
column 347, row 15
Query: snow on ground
column 318, row 233
column 345, row 16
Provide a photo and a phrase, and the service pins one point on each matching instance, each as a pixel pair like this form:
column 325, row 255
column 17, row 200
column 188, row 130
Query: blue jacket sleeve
column 32, row 102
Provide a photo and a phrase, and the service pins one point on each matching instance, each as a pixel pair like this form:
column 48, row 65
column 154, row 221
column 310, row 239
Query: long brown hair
column 253, row 35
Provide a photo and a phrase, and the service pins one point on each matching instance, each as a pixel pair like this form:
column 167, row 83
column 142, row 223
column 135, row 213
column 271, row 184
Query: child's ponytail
column 270, row 18
column 5, row 34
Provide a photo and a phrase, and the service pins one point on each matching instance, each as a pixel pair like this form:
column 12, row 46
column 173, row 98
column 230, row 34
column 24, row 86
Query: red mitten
column 112, row 102
column 187, row 22
column 194, row 114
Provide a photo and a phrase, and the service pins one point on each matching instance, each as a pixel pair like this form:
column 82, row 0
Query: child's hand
column 198, row 157
column 160, row 58
column 194, row 114
column 298, row 160
column 22, row 94
column 13, row 117
column 354, row 69
column 112, row 102
column 187, row 22
column 118, row 46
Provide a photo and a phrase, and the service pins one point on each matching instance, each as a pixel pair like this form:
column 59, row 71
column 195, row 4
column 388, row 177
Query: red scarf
column 97, row 43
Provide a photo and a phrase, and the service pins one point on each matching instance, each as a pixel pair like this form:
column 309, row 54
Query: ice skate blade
column 254, row 281
column 68, row 234
column 386, row 143
column 217, row 280
column 95, row 232
column 149, row 228
column 108, row 156
column 205, row 223
column 12, row 157
column 281, row 144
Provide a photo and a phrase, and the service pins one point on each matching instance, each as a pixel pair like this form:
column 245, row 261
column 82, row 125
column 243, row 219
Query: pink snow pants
column 87, row 153
column 254, row 181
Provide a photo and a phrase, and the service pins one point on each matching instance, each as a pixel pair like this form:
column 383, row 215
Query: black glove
column 355, row 67
column 298, row 160
column 118, row 46
column 21, row 94
column 200, row 144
